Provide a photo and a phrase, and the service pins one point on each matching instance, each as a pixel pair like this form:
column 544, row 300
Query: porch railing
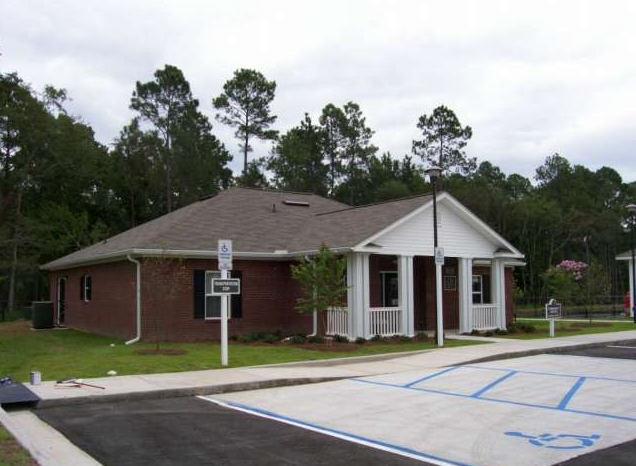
column 485, row 316
column 385, row 321
column 337, row 321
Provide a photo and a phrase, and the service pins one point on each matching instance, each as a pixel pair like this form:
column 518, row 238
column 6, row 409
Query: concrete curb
column 181, row 392
column 534, row 352
column 346, row 360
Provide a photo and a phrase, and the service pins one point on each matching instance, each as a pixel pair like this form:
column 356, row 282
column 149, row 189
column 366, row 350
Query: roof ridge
column 374, row 204
column 281, row 191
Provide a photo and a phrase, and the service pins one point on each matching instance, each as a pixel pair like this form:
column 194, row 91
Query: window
column 208, row 306
column 478, row 289
column 86, row 285
column 481, row 289
column 389, row 289
column 213, row 302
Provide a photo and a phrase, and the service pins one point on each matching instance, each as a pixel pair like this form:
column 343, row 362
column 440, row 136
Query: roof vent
column 296, row 203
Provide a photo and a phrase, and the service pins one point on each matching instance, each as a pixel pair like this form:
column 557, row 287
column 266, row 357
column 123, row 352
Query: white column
column 498, row 285
column 351, row 295
column 631, row 288
column 406, row 294
column 358, row 294
column 465, row 290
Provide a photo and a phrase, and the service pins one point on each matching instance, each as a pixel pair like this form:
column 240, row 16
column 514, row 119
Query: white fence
column 337, row 321
column 485, row 316
column 385, row 321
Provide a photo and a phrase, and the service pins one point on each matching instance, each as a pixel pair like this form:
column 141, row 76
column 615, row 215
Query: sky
column 530, row 78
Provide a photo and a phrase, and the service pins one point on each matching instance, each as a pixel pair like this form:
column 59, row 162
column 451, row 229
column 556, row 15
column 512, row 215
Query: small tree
column 160, row 283
column 322, row 279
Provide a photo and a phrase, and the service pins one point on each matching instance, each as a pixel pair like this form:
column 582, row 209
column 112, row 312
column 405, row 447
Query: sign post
column 552, row 311
column 224, row 258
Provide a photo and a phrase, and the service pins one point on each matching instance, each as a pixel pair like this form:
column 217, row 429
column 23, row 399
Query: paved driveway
column 537, row 410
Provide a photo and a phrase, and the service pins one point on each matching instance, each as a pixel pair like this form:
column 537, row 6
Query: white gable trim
column 483, row 226
column 473, row 221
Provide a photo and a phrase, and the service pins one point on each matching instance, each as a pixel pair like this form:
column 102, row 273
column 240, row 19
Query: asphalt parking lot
column 575, row 409
column 189, row 432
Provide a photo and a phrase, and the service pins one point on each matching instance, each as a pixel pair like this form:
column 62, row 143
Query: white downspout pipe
column 138, row 300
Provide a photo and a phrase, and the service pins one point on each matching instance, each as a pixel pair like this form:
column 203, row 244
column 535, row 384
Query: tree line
column 61, row 190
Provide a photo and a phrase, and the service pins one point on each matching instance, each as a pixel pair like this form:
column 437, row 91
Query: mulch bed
column 334, row 346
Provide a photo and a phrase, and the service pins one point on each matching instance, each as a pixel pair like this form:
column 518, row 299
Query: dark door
column 61, row 300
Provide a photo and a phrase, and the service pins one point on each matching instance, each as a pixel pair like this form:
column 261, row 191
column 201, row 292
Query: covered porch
column 395, row 295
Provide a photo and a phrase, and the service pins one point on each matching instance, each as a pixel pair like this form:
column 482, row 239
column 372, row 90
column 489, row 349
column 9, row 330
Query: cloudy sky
column 531, row 78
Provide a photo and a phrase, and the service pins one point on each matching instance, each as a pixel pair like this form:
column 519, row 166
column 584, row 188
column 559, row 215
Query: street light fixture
column 631, row 208
column 434, row 174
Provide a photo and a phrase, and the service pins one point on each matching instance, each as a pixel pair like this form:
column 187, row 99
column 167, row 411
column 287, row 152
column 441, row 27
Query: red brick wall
column 424, row 298
column 510, row 295
column 269, row 297
column 111, row 311
column 268, row 291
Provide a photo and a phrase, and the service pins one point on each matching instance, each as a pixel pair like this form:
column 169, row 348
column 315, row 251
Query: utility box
column 42, row 314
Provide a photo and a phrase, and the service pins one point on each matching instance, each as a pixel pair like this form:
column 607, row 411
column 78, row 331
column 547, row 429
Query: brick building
column 153, row 280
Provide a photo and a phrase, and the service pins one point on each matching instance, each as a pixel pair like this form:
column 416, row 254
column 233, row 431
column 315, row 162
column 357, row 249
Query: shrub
column 527, row 328
column 340, row 339
column 315, row 339
column 489, row 333
column 500, row 331
column 270, row 338
column 376, row 338
column 298, row 339
column 421, row 336
column 246, row 338
column 361, row 340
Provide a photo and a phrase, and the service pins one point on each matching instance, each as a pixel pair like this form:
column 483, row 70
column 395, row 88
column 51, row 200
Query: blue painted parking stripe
column 430, row 376
column 339, row 433
column 568, row 396
column 478, row 393
column 496, row 400
column 572, row 376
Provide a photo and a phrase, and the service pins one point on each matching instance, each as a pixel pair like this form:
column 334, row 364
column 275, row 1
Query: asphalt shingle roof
column 257, row 221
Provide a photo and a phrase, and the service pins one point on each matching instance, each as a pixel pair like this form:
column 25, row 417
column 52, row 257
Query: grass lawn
column 11, row 453
column 568, row 328
column 62, row 354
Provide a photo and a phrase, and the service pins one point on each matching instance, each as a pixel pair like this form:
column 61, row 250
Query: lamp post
column 631, row 208
column 434, row 173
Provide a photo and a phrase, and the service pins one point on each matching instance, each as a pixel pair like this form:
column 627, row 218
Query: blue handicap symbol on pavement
column 559, row 441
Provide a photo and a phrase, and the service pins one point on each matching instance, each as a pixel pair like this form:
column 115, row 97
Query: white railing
column 337, row 321
column 385, row 321
column 485, row 316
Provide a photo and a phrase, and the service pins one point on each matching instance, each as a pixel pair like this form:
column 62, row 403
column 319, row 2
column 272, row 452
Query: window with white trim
column 212, row 301
column 389, row 283
column 478, row 289
column 86, row 288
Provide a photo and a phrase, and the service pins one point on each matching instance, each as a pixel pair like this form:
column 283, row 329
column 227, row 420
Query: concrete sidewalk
column 50, row 448
column 250, row 378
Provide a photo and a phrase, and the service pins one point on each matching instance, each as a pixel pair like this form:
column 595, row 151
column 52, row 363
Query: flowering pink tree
column 575, row 267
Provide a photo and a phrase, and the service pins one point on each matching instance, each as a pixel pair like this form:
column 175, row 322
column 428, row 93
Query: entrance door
column 61, row 300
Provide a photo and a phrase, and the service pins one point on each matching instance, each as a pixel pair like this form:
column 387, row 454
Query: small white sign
column 224, row 254
column 439, row 256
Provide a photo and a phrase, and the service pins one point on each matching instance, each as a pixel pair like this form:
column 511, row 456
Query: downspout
column 137, row 300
